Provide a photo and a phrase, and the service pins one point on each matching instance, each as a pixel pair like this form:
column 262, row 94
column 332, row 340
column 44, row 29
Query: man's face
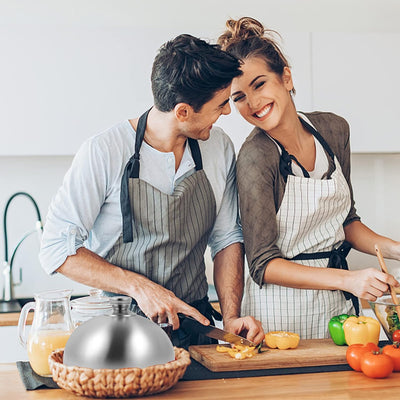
column 200, row 123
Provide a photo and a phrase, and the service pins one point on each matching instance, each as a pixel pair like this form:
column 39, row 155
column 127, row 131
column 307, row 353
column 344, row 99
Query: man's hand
column 157, row 303
column 248, row 327
column 161, row 305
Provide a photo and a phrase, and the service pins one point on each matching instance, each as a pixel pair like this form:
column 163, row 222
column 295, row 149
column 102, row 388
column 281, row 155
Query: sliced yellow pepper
column 239, row 352
column 222, row 349
column 282, row 340
column 361, row 330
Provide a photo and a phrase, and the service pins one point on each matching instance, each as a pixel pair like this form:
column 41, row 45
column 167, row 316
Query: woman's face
column 262, row 97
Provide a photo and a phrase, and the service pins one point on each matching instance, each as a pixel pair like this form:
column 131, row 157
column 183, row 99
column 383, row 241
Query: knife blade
column 190, row 324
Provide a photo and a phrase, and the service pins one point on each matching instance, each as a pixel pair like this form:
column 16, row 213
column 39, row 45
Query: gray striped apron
column 164, row 236
column 310, row 231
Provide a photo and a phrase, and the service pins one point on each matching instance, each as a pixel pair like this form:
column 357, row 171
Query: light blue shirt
column 86, row 209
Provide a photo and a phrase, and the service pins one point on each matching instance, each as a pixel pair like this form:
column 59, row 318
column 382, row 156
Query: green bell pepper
column 335, row 327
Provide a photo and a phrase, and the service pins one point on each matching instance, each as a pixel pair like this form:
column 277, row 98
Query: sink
column 10, row 306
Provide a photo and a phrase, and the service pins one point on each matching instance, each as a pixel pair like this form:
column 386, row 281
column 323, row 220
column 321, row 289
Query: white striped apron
column 165, row 236
column 310, row 219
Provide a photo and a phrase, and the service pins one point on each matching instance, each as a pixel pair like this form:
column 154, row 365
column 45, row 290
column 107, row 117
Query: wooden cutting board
column 312, row 352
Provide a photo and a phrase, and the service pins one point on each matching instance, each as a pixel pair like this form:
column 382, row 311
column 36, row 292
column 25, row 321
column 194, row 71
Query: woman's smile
column 264, row 111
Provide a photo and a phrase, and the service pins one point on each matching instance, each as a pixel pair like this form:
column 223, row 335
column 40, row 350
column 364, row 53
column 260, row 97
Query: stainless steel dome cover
column 119, row 340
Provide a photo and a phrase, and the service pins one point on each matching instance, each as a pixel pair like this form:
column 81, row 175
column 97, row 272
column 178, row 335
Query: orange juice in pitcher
column 51, row 327
column 41, row 344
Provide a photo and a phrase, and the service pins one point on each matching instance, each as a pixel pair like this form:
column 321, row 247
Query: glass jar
column 94, row 305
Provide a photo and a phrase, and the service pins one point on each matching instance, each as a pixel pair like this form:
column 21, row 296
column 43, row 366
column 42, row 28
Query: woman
column 296, row 200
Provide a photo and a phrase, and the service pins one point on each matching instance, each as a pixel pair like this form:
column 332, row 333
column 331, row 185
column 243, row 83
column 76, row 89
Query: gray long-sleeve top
column 261, row 187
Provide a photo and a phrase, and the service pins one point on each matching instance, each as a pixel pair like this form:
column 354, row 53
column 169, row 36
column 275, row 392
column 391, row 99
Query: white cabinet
column 71, row 82
column 62, row 84
column 69, row 72
column 356, row 76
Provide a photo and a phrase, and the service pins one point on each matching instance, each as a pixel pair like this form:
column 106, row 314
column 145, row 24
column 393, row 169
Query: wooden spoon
column 384, row 269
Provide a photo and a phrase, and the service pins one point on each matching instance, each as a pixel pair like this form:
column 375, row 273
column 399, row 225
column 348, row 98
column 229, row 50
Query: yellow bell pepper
column 282, row 340
column 361, row 330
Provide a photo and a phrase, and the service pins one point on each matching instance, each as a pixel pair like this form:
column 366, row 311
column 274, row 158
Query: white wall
column 374, row 175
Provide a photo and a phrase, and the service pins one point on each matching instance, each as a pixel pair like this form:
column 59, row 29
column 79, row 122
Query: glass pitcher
column 51, row 327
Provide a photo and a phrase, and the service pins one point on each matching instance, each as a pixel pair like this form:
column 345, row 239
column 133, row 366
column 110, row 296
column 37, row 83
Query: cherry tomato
column 376, row 365
column 396, row 336
column 393, row 351
column 356, row 351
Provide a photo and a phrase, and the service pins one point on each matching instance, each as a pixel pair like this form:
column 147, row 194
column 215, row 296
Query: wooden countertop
column 11, row 319
column 326, row 385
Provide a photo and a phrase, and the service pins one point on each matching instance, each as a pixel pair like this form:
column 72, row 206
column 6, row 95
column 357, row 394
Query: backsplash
column 40, row 176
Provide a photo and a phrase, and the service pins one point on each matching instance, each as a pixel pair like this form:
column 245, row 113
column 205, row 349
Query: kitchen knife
column 190, row 324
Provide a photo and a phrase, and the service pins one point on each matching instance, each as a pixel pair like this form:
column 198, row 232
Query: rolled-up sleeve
column 74, row 208
column 257, row 206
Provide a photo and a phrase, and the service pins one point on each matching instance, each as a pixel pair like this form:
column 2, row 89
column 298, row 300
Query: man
column 142, row 199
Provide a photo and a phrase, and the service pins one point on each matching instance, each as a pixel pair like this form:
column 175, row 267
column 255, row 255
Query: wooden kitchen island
column 321, row 385
column 324, row 385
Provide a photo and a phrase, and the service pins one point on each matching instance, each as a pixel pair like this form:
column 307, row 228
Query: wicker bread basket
column 124, row 382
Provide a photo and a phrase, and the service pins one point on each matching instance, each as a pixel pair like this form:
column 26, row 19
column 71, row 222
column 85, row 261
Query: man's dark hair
column 190, row 70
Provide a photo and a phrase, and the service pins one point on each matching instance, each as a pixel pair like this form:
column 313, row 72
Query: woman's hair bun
column 246, row 38
column 240, row 29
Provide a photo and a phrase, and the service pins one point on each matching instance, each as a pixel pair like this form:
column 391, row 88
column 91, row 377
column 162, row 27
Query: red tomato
column 396, row 336
column 356, row 351
column 393, row 351
column 376, row 365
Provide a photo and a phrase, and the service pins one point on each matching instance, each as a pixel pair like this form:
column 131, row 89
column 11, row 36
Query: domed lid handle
column 120, row 305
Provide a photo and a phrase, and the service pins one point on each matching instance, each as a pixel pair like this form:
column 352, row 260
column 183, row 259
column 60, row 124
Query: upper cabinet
column 356, row 76
column 62, row 85
column 71, row 69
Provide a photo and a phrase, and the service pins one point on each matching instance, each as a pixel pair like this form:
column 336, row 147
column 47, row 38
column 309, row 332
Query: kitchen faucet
column 8, row 302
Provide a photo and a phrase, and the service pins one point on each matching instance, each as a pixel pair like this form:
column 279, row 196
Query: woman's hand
column 248, row 327
column 369, row 283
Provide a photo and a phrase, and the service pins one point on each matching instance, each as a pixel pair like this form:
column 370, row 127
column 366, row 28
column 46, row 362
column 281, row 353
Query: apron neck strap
column 134, row 168
column 141, row 130
column 319, row 137
column 196, row 154
column 285, row 162
column 131, row 171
